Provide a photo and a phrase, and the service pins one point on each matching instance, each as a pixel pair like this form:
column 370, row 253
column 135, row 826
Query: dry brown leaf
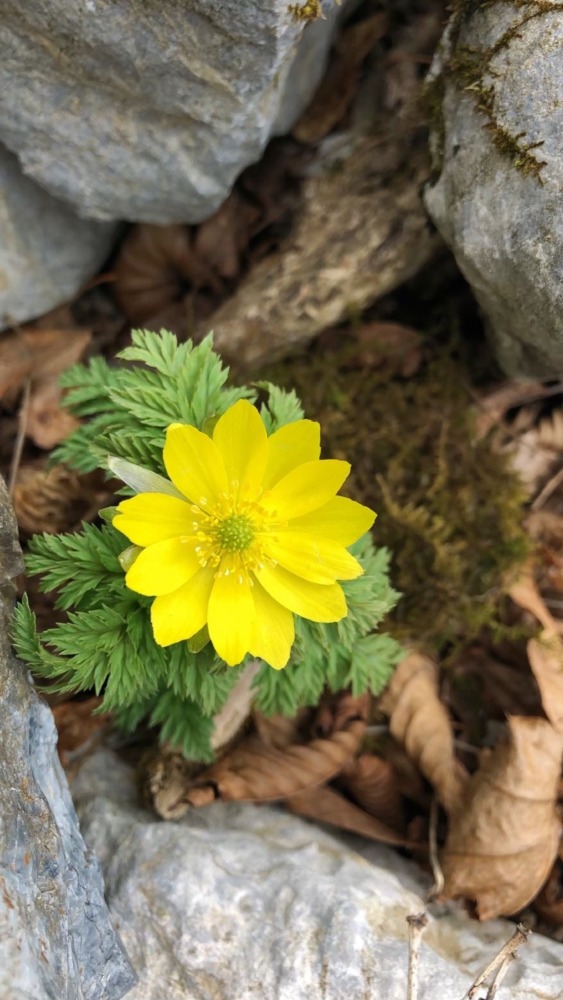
column 503, row 839
column 493, row 407
column 373, row 785
column 222, row 239
column 325, row 805
column 40, row 355
column 154, row 266
column 54, row 499
column 549, row 902
column 337, row 90
column 256, row 772
column 546, row 660
column 419, row 721
column 78, row 727
column 545, row 652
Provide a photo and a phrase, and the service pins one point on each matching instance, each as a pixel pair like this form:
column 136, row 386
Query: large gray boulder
column 246, row 902
column 496, row 96
column 56, row 939
column 149, row 109
column 46, row 252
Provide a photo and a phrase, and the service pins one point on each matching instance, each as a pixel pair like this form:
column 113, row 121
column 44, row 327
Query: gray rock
column 46, row 251
column 149, row 109
column 246, row 902
column 497, row 96
column 56, row 939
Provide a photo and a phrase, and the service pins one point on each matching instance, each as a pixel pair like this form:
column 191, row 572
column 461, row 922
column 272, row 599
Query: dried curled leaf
column 372, row 783
column 237, row 708
column 545, row 653
column 78, row 727
column 503, row 839
column 325, row 805
column 419, row 721
column 54, row 499
column 254, row 771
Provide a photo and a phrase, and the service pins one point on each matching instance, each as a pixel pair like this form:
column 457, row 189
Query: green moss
column 468, row 68
column 448, row 506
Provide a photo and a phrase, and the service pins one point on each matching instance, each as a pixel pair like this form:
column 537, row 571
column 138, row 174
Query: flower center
column 235, row 533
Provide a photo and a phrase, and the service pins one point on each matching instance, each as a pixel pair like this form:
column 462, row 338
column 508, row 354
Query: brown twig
column 437, row 872
column 417, row 923
column 499, row 964
column 20, row 437
column 548, row 489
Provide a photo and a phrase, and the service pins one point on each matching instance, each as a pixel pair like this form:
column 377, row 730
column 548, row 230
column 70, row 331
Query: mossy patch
column 470, row 69
column 449, row 508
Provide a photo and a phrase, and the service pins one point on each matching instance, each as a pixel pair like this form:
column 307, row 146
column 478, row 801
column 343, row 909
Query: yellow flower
column 248, row 533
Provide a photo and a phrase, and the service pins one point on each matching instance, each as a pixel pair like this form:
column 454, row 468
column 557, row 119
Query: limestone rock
column 56, row 939
column 496, row 90
column 251, row 902
column 46, row 252
column 148, row 110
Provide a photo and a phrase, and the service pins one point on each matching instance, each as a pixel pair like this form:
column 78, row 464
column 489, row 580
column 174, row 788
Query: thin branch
column 437, row 872
column 499, row 963
column 417, row 924
column 548, row 489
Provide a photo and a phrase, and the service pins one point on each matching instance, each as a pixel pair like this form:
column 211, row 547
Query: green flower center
column 235, row 533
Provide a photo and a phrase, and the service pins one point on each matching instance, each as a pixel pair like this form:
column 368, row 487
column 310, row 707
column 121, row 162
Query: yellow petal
column 313, row 557
column 242, row 441
column 291, row 446
column 318, row 602
column 340, row 519
column 194, row 464
column 153, row 517
column 231, row 616
column 163, row 567
column 180, row 615
column 307, row 487
column 274, row 630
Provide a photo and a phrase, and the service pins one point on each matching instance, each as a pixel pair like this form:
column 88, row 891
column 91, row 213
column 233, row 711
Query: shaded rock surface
column 247, row 902
column 46, row 252
column 56, row 939
column 148, row 110
column 497, row 106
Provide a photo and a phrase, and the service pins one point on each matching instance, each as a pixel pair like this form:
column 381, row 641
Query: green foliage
column 343, row 654
column 105, row 643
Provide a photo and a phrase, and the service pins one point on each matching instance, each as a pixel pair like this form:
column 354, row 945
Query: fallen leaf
column 549, row 902
column 221, row 239
column 78, row 727
column 372, row 783
column 503, row 838
column 546, row 660
column 419, row 721
column 153, row 268
column 493, row 407
column 325, row 805
column 337, row 90
column 54, row 499
column 256, row 772
column 545, row 652
column 40, row 355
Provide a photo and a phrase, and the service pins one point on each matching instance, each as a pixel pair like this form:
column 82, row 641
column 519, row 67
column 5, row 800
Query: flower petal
column 153, row 517
column 292, row 445
column 242, row 441
column 182, row 613
column 139, row 479
column 341, row 519
column 163, row 567
column 307, row 487
column 318, row 602
column 274, row 629
column 194, row 464
column 231, row 616
column 313, row 557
